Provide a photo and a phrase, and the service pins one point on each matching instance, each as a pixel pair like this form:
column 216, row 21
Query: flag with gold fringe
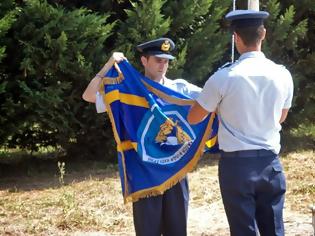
column 156, row 145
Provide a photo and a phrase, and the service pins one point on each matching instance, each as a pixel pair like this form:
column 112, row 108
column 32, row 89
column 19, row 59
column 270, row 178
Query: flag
column 156, row 145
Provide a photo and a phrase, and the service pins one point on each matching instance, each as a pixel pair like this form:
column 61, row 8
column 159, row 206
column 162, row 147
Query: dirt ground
column 90, row 202
column 211, row 220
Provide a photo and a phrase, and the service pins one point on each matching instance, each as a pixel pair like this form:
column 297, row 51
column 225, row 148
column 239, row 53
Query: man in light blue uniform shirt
column 252, row 97
column 167, row 213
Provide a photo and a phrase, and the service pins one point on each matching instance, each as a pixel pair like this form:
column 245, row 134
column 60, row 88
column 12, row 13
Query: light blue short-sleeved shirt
column 183, row 87
column 178, row 85
column 249, row 95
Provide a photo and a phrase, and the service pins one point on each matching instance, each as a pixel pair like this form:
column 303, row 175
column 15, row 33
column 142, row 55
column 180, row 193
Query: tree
column 7, row 17
column 195, row 28
column 50, row 50
column 287, row 29
column 304, row 73
column 51, row 55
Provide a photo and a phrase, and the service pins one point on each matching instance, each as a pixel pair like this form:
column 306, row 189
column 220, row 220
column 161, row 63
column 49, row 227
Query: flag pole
column 233, row 40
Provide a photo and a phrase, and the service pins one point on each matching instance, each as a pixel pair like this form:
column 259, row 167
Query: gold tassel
column 117, row 80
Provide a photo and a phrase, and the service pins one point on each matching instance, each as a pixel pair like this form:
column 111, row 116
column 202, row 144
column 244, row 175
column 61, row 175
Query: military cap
column 246, row 18
column 161, row 47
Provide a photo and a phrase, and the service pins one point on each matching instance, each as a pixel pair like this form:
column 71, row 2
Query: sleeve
column 193, row 91
column 99, row 103
column 210, row 96
column 289, row 98
column 187, row 88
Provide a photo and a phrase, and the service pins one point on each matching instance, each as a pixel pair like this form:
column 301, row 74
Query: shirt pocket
column 277, row 167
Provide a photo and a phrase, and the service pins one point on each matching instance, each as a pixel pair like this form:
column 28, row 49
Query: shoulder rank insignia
column 227, row 64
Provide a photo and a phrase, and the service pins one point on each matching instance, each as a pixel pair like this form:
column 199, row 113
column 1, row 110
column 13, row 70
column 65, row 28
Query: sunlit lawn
column 90, row 199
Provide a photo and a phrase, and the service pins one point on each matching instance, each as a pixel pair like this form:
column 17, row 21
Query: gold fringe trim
column 116, row 136
column 116, row 80
column 158, row 190
column 168, row 98
column 109, row 80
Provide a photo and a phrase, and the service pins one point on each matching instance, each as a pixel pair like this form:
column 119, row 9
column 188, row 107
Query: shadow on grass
column 296, row 143
column 33, row 174
column 208, row 160
column 36, row 174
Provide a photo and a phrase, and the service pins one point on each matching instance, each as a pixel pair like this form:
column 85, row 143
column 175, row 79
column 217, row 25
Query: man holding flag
column 163, row 212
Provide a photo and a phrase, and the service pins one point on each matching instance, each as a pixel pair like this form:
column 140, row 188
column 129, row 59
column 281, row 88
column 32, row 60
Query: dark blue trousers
column 164, row 214
column 252, row 186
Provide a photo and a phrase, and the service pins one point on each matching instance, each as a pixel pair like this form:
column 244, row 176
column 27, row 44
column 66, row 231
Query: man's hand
column 196, row 113
column 116, row 57
column 284, row 115
column 89, row 94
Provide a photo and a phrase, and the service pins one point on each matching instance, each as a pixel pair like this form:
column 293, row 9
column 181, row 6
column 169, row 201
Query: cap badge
column 165, row 46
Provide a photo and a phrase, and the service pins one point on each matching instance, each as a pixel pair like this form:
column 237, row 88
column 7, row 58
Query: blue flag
column 156, row 145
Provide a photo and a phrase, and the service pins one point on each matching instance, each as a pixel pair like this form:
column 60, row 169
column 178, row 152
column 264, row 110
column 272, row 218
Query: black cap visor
column 159, row 54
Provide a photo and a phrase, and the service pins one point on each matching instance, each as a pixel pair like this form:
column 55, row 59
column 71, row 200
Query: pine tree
column 7, row 17
column 284, row 35
column 195, row 28
column 53, row 54
column 209, row 43
column 304, row 73
column 144, row 22
column 50, row 51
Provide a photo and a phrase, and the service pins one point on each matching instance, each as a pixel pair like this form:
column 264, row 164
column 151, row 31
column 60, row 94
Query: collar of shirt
column 166, row 82
column 252, row 54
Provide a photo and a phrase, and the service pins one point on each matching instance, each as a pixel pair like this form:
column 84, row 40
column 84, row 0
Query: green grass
column 40, row 198
column 304, row 130
column 298, row 139
column 16, row 155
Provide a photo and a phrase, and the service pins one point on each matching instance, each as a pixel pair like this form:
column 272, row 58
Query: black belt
column 248, row 153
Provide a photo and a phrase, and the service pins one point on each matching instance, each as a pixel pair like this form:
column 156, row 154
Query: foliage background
column 49, row 51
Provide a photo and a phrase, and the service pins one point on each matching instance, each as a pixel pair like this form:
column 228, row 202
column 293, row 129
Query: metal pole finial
column 253, row 5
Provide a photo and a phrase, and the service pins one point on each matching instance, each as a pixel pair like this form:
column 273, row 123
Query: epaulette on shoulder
column 180, row 81
column 227, row 64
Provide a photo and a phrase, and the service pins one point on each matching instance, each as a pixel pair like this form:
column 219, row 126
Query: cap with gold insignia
column 161, row 47
column 246, row 18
